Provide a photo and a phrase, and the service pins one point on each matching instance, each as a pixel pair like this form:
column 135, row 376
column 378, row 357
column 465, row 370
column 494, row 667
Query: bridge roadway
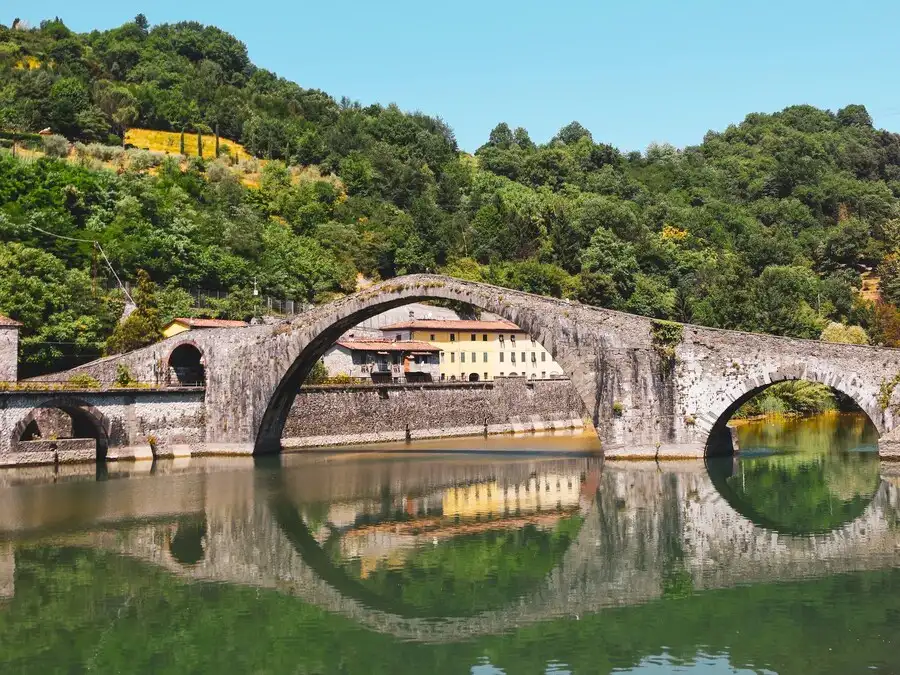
column 652, row 389
column 642, row 521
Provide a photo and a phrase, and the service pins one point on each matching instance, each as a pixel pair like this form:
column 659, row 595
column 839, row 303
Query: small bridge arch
column 87, row 422
column 719, row 440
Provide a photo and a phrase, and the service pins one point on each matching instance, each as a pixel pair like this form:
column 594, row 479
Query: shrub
column 105, row 153
column 618, row 408
column 141, row 160
column 84, row 381
column 112, row 139
column 249, row 165
column 123, row 376
column 56, row 145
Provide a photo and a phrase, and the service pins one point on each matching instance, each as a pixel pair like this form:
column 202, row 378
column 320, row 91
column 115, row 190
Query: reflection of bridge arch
column 722, row 468
column 643, row 523
column 293, row 526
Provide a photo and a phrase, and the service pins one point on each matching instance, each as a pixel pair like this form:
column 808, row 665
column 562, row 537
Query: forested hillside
column 766, row 225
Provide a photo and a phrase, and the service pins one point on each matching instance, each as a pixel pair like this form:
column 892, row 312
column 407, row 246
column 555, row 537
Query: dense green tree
column 143, row 326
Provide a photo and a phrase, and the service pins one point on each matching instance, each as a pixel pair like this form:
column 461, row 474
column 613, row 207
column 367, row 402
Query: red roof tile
column 374, row 345
column 6, row 321
column 210, row 323
column 500, row 326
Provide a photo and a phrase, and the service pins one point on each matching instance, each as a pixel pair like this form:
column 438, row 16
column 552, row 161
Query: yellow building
column 473, row 351
column 176, row 326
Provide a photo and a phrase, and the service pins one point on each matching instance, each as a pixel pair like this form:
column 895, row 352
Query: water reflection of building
column 539, row 493
column 386, row 532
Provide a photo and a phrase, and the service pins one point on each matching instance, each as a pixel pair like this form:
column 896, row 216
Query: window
column 452, row 357
column 485, row 376
column 474, row 357
column 523, row 357
column 484, row 337
column 543, row 374
column 399, row 336
column 512, row 339
column 533, row 357
column 462, row 377
column 443, row 377
column 543, row 356
column 512, row 357
column 501, row 373
column 501, row 357
column 431, row 337
column 462, row 357
column 442, row 357
column 532, row 341
column 485, row 357
column 532, row 376
column 473, row 337
column 502, row 341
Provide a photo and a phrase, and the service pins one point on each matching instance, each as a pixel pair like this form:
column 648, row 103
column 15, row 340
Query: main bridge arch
column 548, row 321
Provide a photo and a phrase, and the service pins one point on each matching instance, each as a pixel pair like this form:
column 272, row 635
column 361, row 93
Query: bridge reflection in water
column 368, row 537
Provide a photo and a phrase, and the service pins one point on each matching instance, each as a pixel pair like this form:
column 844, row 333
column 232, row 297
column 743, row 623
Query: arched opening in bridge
column 72, row 429
column 797, row 457
column 395, row 347
column 186, row 366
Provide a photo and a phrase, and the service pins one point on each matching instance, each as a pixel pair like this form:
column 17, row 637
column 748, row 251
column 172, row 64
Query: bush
column 112, row 139
column 56, row 145
column 84, row 381
column 141, row 160
column 249, row 165
column 123, row 376
column 105, row 153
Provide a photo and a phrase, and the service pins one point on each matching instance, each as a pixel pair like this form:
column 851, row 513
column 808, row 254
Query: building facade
column 383, row 360
column 476, row 351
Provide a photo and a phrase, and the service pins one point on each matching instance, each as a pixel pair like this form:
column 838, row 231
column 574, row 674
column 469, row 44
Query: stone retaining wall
column 365, row 414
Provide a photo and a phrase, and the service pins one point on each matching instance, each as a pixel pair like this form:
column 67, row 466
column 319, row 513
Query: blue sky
column 631, row 71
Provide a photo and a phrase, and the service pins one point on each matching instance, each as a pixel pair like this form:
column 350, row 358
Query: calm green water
column 786, row 560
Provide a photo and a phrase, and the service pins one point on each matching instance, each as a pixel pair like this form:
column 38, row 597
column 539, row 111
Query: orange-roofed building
column 473, row 351
column 383, row 360
column 179, row 325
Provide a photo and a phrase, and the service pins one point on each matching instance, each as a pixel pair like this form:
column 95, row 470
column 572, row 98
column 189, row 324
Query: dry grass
column 170, row 142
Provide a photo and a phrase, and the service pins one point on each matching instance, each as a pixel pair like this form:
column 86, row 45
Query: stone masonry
column 9, row 349
column 650, row 389
column 334, row 416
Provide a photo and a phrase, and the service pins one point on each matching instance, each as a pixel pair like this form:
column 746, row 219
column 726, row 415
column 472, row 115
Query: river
column 531, row 556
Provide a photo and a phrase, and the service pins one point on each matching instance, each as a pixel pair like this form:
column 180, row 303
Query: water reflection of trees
column 804, row 475
column 471, row 573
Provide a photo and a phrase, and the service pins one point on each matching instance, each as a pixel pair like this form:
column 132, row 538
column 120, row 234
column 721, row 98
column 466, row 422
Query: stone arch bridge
column 651, row 388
